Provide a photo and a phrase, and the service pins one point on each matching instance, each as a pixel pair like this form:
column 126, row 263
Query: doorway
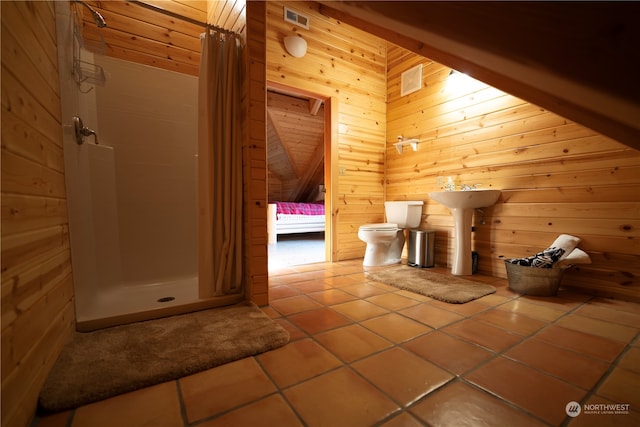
column 297, row 178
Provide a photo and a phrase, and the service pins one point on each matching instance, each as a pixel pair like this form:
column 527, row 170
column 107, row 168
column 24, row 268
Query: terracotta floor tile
column 535, row 311
column 622, row 386
column 352, row 342
column 277, row 292
column 294, row 304
column 511, row 321
column 402, row 375
column 615, row 304
column 591, row 416
column 331, row 296
column 493, row 300
column 610, row 314
column 392, row 301
column 567, row 365
column 395, row 328
column 157, row 405
column 297, row 361
column 295, row 333
column 359, row 310
column 430, row 315
column 223, row 388
column 404, row 419
column 270, row 411
column 271, row 312
column 413, row 295
column 339, row 398
column 361, row 350
column 319, row 320
column 598, row 327
column 363, row 290
column 581, row 342
column 450, row 353
column 631, row 361
column 342, row 281
column 538, row 393
column 310, row 286
column 564, row 301
column 462, row 405
column 483, row 334
column 466, row 309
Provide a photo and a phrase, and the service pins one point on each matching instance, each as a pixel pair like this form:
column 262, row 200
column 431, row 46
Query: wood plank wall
column 255, row 184
column 37, row 287
column 137, row 34
column 556, row 176
column 348, row 64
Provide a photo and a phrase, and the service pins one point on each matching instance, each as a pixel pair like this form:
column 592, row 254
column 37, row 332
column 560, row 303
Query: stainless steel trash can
column 421, row 246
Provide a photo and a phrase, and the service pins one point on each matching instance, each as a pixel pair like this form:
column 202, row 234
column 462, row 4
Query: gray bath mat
column 451, row 289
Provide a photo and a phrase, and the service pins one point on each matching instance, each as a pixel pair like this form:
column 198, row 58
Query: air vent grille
column 296, row 18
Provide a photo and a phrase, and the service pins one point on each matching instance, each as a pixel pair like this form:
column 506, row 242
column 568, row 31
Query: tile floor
column 367, row 354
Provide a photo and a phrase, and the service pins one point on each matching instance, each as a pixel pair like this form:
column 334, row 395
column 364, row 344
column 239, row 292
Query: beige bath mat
column 445, row 288
column 100, row 364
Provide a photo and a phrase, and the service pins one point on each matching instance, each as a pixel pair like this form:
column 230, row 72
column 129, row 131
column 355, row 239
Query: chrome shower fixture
column 80, row 131
column 97, row 16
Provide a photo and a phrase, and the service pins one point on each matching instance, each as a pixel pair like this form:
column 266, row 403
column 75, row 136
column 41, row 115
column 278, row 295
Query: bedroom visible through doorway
column 296, row 182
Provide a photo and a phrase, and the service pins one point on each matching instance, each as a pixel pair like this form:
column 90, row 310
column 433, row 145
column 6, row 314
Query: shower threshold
column 127, row 304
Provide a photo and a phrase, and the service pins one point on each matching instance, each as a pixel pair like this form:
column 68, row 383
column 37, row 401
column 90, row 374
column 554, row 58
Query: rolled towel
column 577, row 256
column 566, row 242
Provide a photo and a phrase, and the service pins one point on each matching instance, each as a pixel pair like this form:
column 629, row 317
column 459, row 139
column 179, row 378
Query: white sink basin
column 472, row 199
column 462, row 204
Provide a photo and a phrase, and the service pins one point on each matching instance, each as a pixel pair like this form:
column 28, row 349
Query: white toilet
column 385, row 241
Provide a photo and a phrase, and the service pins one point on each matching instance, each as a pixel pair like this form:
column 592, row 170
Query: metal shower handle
column 81, row 131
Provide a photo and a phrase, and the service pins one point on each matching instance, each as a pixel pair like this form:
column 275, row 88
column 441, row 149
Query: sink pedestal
column 462, row 205
column 462, row 260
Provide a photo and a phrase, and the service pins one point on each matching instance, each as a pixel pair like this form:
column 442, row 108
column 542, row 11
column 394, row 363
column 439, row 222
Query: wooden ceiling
column 295, row 146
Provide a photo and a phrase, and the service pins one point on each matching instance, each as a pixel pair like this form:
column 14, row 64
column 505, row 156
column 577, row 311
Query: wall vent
column 296, row 18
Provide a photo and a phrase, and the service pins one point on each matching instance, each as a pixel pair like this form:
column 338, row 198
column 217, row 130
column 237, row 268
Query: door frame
column 330, row 159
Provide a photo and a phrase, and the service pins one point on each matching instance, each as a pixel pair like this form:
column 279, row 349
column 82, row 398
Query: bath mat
column 445, row 288
column 104, row 363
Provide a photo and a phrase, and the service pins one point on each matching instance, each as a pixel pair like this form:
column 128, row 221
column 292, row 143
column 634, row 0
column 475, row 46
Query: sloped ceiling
column 295, row 146
column 577, row 59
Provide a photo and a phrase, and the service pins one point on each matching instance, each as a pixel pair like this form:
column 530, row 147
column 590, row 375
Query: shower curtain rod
column 181, row 17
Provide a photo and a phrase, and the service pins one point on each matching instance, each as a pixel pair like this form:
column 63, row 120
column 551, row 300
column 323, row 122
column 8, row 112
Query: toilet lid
column 387, row 226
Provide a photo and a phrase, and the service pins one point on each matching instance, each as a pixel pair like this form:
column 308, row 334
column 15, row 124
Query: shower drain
column 166, row 299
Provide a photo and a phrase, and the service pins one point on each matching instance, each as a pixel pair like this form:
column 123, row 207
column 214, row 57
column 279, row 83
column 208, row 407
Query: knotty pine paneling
column 255, row 157
column 349, row 65
column 137, row 34
column 37, row 285
column 556, row 176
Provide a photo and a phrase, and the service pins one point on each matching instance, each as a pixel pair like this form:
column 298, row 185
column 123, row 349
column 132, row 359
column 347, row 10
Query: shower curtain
column 220, row 140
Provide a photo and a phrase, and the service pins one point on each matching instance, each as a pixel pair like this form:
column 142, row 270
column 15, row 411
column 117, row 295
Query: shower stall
column 131, row 180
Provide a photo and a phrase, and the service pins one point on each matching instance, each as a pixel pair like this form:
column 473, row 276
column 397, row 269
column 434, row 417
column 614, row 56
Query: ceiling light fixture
column 296, row 46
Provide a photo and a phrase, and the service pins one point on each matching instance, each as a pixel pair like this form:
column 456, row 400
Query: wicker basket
column 533, row 280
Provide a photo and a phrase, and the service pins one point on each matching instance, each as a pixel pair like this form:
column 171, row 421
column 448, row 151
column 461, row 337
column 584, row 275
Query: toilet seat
column 386, row 226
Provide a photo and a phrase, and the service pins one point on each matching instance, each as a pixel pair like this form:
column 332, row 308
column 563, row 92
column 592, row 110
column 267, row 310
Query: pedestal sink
column 462, row 204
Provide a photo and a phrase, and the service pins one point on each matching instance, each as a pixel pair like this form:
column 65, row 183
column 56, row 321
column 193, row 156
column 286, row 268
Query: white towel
column 566, row 242
column 577, row 256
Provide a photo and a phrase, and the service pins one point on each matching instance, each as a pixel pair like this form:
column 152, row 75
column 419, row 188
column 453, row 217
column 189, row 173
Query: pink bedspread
column 292, row 208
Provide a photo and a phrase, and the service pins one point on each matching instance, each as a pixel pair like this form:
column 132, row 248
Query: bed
column 290, row 217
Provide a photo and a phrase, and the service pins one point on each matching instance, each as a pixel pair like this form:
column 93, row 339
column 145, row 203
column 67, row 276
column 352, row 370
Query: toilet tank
column 407, row 214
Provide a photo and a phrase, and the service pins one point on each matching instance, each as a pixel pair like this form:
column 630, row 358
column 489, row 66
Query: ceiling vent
column 296, row 18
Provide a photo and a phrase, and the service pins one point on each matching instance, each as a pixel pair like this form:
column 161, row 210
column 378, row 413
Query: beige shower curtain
column 220, row 137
